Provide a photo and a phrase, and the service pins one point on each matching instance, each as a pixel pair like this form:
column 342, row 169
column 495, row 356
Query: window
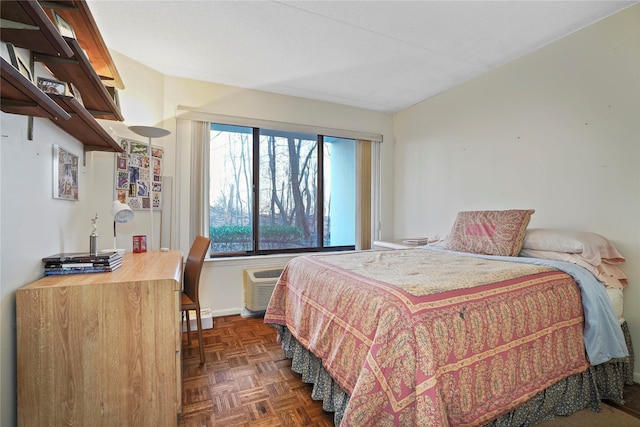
column 280, row 191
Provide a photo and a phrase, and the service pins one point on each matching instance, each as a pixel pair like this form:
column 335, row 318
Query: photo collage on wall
column 138, row 177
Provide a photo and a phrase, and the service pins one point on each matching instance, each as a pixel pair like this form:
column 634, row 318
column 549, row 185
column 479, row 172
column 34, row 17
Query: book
column 80, row 270
column 112, row 263
column 81, row 257
column 417, row 241
column 81, row 264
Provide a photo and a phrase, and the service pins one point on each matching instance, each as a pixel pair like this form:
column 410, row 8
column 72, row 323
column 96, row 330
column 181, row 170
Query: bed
column 440, row 337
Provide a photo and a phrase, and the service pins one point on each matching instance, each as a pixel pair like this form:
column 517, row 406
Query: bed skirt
column 586, row 390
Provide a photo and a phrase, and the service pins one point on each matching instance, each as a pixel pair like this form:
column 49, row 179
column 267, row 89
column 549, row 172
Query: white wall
column 557, row 131
column 32, row 225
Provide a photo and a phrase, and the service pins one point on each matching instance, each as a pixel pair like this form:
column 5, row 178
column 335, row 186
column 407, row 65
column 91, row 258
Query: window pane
column 230, row 183
column 288, row 190
column 339, row 192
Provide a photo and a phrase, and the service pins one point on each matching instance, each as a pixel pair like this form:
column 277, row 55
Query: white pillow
column 592, row 247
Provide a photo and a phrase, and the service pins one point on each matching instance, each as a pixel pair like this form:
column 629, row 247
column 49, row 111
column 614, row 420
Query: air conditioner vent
column 258, row 286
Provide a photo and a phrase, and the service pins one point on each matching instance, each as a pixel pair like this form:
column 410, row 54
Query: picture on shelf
column 75, row 93
column 65, row 174
column 22, row 66
column 54, row 87
column 12, row 55
column 64, row 28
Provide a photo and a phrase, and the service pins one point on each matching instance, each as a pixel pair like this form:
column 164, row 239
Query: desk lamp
column 150, row 132
column 122, row 213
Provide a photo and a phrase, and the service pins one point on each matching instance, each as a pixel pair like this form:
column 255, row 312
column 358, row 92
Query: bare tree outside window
column 291, row 212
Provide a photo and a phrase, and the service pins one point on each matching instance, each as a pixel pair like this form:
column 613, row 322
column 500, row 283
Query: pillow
column 609, row 274
column 592, row 247
column 489, row 232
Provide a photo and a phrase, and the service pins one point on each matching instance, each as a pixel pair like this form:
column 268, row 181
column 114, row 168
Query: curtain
column 364, row 230
column 199, row 223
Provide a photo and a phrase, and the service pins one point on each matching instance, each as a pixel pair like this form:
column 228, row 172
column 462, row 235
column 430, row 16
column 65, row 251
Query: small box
column 206, row 317
column 139, row 244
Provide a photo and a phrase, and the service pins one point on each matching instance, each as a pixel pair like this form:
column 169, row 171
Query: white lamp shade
column 121, row 212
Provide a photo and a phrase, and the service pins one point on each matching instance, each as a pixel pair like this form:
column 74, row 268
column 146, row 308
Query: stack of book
column 77, row 263
column 417, row 241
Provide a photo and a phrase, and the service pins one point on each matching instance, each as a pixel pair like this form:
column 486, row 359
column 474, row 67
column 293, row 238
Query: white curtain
column 199, row 221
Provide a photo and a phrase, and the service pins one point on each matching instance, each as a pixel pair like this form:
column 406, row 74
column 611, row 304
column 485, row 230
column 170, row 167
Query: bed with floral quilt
column 435, row 337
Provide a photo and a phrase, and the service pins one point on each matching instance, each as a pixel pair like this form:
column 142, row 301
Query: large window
column 278, row 191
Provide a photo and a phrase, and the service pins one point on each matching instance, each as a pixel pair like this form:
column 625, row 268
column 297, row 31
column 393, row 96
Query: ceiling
column 379, row 55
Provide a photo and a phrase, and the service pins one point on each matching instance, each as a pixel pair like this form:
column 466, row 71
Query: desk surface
column 136, row 267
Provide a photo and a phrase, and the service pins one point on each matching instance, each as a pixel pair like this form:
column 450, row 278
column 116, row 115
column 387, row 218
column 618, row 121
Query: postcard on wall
column 139, row 174
column 65, row 174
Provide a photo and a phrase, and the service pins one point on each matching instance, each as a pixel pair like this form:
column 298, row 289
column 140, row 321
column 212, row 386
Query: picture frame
column 52, row 86
column 12, row 55
column 64, row 28
column 65, row 174
column 22, row 66
column 75, row 93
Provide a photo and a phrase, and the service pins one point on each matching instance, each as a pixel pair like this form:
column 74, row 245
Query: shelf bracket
column 41, row 57
column 56, row 5
column 13, row 25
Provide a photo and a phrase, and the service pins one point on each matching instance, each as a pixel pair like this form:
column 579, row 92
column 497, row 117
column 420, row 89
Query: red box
column 139, row 244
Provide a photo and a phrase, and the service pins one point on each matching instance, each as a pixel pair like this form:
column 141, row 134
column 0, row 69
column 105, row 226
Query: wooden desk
column 102, row 349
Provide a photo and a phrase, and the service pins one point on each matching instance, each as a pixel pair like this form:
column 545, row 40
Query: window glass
column 339, row 191
column 230, row 189
column 298, row 195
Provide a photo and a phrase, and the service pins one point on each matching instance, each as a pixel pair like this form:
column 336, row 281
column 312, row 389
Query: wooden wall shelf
column 77, row 13
column 84, row 127
column 78, row 70
column 21, row 96
column 26, row 24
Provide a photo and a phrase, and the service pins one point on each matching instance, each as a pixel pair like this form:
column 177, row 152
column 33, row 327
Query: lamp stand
column 150, row 132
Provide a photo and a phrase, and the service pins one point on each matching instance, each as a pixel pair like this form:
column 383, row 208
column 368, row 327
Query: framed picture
column 22, row 65
column 12, row 55
column 64, row 28
column 52, row 86
column 76, row 93
column 65, row 174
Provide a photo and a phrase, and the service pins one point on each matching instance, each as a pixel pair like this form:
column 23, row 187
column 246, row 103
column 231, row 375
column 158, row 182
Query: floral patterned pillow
column 489, row 232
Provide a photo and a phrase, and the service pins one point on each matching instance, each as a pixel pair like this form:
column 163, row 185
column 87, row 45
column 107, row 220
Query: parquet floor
column 246, row 380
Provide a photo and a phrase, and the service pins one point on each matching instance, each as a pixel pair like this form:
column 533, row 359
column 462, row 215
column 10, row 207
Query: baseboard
column 226, row 312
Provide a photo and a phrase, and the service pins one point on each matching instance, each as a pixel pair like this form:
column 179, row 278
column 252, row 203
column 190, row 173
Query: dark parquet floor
column 247, row 381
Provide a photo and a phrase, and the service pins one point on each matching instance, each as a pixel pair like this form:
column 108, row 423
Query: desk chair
column 189, row 299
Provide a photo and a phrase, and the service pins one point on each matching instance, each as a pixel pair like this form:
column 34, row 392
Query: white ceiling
column 379, row 55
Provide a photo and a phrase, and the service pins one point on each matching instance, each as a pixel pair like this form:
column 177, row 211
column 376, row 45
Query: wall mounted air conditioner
column 258, row 286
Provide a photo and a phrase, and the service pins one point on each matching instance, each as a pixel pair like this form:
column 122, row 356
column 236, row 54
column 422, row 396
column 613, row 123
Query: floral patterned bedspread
column 422, row 338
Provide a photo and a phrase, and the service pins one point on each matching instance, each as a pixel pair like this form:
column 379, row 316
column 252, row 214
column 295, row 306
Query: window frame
column 255, row 201
column 196, row 211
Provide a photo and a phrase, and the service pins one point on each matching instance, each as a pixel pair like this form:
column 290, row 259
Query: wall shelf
column 84, row 127
column 26, row 24
column 78, row 70
column 78, row 15
column 21, row 96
